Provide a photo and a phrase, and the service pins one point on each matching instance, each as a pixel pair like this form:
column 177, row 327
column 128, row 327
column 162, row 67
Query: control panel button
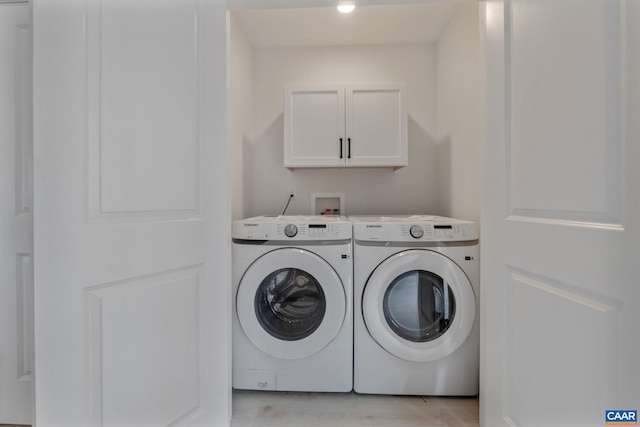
column 290, row 230
column 416, row 231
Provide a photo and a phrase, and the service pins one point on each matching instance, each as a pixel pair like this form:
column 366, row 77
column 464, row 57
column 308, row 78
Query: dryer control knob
column 290, row 230
column 416, row 231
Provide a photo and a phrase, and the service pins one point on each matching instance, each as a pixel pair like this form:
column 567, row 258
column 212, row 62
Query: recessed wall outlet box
column 328, row 204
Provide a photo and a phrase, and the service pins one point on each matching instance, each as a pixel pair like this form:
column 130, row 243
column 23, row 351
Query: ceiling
column 325, row 26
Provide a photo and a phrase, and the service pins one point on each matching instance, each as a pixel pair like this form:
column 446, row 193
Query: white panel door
column 16, row 220
column 377, row 124
column 561, row 213
column 131, row 218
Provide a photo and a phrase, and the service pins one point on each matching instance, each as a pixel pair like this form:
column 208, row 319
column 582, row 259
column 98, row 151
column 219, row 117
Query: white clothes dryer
column 292, row 304
column 416, row 305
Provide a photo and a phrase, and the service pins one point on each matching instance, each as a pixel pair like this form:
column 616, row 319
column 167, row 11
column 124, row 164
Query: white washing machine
column 416, row 312
column 293, row 304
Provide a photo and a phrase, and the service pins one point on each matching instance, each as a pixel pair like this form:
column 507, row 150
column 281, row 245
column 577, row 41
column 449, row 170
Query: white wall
column 445, row 125
column 240, row 114
column 412, row 189
column 460, row 146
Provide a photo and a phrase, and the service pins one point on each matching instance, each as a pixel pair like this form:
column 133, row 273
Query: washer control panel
column 291, row 229
column 309, row 231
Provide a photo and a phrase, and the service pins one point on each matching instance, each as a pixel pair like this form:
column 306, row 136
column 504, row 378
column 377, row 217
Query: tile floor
column 283, row 409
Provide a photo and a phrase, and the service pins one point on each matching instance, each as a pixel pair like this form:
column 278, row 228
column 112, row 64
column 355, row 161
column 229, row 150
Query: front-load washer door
column 419, row 305
column 291, row 303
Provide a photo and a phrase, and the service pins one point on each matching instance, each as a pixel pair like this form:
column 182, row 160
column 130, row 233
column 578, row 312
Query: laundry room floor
column 284, row 409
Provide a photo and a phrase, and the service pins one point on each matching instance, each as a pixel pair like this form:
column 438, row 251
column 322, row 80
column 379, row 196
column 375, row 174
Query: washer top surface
column 293, row 227
column 412, row 228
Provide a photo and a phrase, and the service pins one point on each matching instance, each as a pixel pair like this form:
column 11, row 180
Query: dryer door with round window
column 419, row 305
column 291, row 303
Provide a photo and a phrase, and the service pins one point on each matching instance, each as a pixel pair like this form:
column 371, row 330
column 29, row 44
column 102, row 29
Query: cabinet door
column 314, row 125
column 376, row 124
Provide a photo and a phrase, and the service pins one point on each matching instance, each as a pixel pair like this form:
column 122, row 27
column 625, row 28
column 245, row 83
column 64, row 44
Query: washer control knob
column 416, row 231
column 290, row 230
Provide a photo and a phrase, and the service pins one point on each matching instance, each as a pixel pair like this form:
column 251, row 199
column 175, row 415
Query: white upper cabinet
column 314, row 125
column 337, row 125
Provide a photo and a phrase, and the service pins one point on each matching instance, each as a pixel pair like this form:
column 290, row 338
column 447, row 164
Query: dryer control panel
column 408, row 229
column 438, row 232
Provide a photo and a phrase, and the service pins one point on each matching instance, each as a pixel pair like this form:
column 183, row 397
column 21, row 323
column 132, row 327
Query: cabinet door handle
column 348, row 148
column 340, row 147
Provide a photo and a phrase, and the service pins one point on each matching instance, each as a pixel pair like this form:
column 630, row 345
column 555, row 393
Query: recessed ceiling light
column 346, row 8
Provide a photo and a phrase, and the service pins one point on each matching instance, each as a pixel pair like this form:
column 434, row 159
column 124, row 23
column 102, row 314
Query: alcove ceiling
column 325, row 26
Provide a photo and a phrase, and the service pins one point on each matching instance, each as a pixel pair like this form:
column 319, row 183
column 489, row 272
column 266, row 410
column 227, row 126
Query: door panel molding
column 23, row 133
column 563, row 218
column 24, row 315
column 557, row 314
column 143, row 162
column 539, row 137
column 123, row 317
